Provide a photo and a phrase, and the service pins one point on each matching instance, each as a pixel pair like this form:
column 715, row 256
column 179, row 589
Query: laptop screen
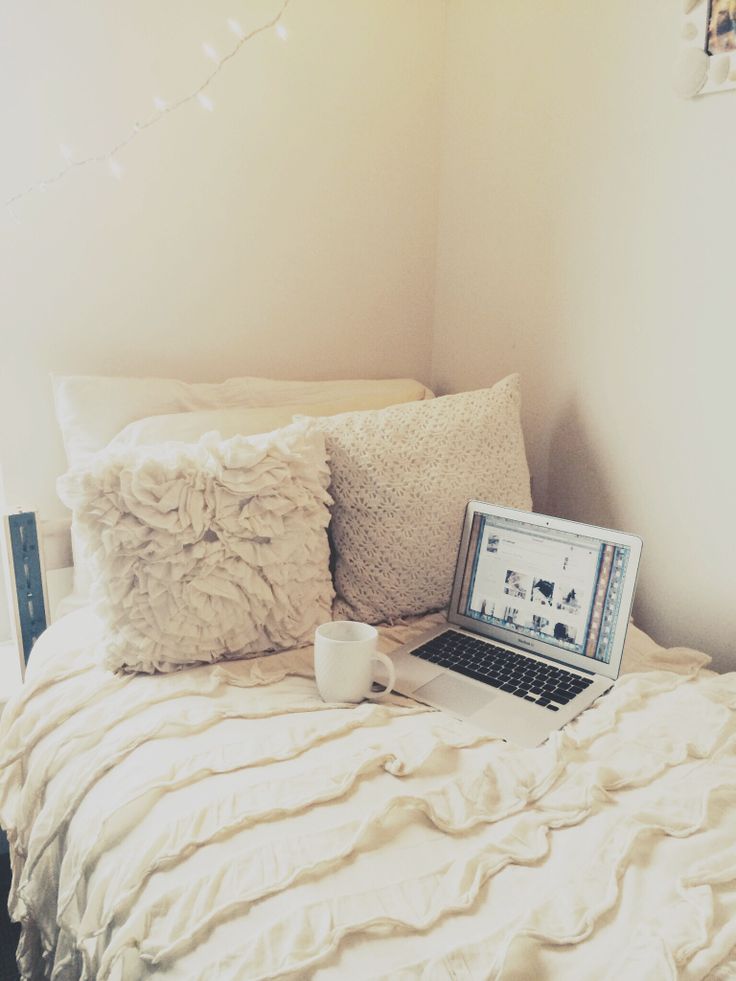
column 550, row 585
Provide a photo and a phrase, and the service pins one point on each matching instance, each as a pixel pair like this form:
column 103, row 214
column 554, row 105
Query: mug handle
column 389, row 666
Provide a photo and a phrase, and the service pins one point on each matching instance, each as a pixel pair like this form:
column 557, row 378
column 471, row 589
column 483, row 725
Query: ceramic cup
column 344, row 655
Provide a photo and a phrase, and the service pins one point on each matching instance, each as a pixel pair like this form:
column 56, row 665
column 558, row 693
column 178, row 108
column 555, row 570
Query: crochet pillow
column 209, row 550
column 401, row 478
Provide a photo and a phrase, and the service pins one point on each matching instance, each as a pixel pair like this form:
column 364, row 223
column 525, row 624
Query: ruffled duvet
column 224, row 823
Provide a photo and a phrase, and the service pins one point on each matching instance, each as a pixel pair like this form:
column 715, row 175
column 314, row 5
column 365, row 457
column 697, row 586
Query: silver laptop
column 536, row 624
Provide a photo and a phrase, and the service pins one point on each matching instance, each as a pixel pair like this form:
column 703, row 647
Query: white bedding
column 222, row 822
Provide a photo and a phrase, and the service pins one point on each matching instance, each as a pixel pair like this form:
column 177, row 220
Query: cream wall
column 290, row 232
column 586, row 239
column 586, row 218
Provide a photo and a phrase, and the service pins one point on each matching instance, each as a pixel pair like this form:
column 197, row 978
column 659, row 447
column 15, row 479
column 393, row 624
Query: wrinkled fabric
column 208, row 550
column 224, row 822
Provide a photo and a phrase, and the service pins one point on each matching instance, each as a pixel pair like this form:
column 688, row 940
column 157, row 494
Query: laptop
column 536, row 624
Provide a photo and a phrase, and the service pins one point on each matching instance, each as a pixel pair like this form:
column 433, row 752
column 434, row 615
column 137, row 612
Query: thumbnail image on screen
column 554, row 586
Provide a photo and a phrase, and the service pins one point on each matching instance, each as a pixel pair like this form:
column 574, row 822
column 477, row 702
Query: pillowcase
column 188, row 427
column 401, row 478
column 206, row 551
column 91, row 410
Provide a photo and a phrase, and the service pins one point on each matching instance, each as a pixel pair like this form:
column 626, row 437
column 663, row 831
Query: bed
column 224, row 822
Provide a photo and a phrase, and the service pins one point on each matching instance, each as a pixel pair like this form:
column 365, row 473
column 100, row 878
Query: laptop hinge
column 571, row 667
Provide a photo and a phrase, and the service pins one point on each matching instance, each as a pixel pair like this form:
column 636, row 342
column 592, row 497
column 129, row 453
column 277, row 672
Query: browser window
column 555, row 586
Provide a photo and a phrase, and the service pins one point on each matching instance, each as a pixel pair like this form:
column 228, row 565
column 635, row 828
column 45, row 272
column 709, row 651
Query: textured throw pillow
column 401, row 478
column 206, row 551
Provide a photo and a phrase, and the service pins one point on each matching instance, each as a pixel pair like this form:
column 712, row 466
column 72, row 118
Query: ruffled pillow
column 206, row 551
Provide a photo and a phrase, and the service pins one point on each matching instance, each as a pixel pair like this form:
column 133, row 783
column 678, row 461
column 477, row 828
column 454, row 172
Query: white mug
column 344, row 653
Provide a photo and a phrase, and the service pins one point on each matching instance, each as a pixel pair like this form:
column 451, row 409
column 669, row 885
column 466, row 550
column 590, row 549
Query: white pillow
column 92, row 410
column 206, row 551
column 401, row 478
column 188, row 427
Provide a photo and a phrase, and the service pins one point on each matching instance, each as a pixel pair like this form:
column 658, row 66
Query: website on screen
column 557, row 587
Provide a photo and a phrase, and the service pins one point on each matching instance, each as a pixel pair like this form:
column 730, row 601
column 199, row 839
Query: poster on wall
column 707, row 62
column 721, row 27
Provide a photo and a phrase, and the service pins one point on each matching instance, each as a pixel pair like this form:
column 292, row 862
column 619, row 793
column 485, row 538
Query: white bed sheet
column 223, row 822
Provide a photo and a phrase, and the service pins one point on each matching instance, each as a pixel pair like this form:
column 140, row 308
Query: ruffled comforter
column 223, row 822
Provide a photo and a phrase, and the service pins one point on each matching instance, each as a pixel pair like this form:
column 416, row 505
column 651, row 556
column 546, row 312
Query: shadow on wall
column 576, row 483
column 577, row 486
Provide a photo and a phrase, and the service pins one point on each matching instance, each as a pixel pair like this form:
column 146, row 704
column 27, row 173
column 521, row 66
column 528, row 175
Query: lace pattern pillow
column 209, row 550
column 401, row 478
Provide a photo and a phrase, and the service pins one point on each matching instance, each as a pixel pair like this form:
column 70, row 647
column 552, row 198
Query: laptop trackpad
column 454, row 694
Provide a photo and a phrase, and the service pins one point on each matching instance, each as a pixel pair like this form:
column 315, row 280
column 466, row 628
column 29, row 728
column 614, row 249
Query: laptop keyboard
column 534, row 681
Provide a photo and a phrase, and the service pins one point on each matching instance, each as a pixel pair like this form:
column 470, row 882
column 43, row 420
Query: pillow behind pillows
column 401, row 478
column 92, row 409
column 188, row 427
column 206, row 551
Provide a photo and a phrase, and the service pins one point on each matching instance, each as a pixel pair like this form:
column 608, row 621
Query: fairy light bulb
column 163, row 107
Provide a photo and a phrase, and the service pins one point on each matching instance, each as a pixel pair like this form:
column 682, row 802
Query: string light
column 235, row 27
column 115, row 168
column 163, row 108
column 211, row 53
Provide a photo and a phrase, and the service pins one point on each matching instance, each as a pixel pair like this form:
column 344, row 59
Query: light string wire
column 165, row 110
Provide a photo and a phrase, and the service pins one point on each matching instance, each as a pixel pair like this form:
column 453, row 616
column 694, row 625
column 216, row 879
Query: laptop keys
column 534, row 681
